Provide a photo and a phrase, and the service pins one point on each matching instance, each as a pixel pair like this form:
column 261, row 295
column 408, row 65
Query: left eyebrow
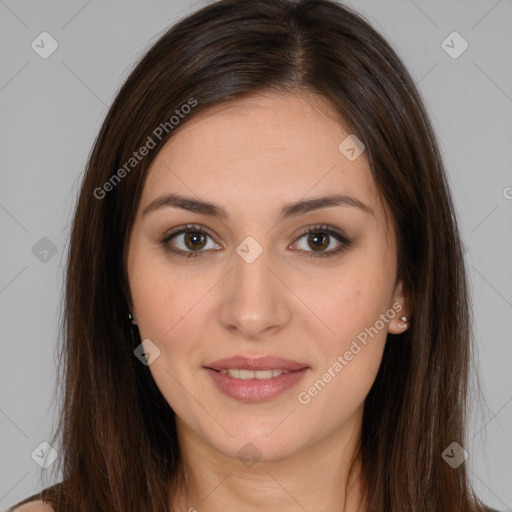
column 290, row 210
column 309, row 205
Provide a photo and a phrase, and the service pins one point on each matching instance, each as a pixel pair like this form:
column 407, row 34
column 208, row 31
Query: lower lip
column 256, row 390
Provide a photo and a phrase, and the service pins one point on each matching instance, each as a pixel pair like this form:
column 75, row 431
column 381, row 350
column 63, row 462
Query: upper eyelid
column 304, row 231
column 185, row 228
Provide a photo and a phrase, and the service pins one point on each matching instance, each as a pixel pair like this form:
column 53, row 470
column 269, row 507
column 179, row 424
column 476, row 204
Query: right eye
column 191, row 239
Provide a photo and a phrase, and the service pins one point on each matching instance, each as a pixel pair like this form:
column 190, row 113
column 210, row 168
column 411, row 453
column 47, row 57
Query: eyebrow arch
column 290, row 210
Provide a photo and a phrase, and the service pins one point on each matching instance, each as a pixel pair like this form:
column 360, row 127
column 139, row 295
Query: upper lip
column 260, row 363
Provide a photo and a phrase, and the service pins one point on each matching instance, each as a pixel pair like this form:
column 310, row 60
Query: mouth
column 238, row 373
column 265, row 363
column 255, row 380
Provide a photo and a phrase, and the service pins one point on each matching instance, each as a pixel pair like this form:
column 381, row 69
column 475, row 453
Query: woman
column 266, row 299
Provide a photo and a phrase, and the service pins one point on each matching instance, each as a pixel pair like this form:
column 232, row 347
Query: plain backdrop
column 52, row 109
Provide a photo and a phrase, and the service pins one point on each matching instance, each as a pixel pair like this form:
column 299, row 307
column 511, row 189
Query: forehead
column 260, row 152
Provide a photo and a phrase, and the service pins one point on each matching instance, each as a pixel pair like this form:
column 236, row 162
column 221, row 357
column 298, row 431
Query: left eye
column 194, row 239
column 321, row 238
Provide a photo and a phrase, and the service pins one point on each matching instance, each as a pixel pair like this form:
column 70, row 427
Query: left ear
column 400, row 322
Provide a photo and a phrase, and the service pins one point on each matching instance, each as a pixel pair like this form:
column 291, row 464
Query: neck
column 315, row 478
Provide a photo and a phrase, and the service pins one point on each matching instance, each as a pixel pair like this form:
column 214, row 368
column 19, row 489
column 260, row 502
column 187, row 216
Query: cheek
column 170, row 307
column 356, row 314
column 158, row 294
column 169, row 313
column 348, row 301
column 349, row 360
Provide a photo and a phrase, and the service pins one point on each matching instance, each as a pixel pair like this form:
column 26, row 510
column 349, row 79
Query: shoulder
column 47, row 500
column 34, row 506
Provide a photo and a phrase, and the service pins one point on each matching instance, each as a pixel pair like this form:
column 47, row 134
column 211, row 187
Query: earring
column 132, row 318
column 403, row 322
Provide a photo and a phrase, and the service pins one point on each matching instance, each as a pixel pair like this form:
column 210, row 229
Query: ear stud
column 403, row 322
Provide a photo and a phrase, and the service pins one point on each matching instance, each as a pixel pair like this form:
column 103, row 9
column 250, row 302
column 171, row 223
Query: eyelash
column 344, row 242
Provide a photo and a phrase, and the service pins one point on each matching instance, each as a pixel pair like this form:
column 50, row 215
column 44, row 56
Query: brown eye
column 318, row 241
column 320, row 238
column 187, row 241
column 194, row 240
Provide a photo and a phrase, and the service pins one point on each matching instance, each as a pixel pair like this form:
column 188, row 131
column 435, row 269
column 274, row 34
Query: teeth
column 251, row 374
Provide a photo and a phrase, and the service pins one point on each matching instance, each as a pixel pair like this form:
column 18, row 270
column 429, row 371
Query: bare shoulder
column 34, row 506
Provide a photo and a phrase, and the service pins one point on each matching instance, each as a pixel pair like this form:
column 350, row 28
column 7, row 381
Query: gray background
column 52, row 110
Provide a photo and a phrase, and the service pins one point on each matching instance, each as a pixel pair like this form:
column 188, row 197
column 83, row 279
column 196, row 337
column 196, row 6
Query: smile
column 252, row 374
column 255, row 385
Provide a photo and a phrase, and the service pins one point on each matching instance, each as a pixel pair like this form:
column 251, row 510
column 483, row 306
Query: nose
column 255, row 300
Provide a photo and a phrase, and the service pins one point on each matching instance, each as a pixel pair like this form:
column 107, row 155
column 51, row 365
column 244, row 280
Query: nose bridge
column 254, row 300
column 251, row 270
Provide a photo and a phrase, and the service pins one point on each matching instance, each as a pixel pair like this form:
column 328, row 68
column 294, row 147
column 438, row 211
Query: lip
column 256, row 390
column 260, row 363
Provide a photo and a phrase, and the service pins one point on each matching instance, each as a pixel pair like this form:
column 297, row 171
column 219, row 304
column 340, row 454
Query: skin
column 253, row 156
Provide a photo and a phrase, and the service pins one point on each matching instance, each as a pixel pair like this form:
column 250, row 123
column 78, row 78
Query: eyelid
column 183, row 229
column 187, row 227
column 331, row 231
column 323, row 228
column 343, row 241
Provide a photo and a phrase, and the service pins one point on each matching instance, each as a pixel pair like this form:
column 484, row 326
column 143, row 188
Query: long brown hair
column 119, row 445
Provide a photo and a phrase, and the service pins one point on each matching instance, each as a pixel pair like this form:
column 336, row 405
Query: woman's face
column 256, row 285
